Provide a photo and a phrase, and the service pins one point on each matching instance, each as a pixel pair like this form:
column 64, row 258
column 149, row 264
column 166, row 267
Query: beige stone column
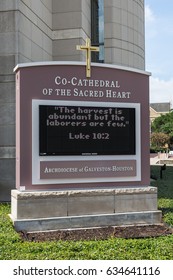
column 71, row 27
column 124, row 33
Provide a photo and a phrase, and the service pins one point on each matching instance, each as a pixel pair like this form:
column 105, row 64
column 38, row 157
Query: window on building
column 97, row 29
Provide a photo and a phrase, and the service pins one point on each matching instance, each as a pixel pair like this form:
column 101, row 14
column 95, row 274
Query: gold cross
column 88, row 48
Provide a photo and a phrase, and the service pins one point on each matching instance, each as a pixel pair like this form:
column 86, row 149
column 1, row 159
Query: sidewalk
column 154, row 159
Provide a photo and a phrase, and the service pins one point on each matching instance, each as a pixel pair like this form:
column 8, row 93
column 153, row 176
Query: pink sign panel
column 87, row 169
column 78, row 132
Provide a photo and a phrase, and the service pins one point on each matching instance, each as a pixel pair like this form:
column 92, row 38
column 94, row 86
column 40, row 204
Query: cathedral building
column 50, row 30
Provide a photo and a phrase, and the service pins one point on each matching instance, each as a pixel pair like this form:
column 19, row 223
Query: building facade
column 49, row 30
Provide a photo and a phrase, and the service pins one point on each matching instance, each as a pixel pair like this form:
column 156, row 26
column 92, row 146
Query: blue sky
column 159, row 48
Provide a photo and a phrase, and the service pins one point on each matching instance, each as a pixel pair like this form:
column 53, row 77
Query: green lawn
column 160, row 248
column 165, row 191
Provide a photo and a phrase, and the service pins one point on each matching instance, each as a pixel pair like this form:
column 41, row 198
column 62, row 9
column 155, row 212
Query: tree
column 159, row 140
column 163, row 124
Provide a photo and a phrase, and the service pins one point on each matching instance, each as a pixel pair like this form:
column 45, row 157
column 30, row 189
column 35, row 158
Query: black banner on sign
column 79, row 130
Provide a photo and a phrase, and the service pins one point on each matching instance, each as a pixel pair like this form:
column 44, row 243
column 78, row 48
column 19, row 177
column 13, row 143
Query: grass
column 160, row 248
column 165, row 191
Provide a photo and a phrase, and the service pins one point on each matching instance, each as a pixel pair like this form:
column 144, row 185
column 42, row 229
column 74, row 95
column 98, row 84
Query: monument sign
column 82, row 146
column 73, row 130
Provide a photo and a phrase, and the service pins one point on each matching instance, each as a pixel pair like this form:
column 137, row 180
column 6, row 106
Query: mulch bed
column 102, row 233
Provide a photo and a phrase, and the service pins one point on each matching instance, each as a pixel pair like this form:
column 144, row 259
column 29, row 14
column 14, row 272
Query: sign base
column 54, row 210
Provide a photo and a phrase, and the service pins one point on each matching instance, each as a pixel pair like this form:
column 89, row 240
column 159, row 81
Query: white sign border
column 36, row 159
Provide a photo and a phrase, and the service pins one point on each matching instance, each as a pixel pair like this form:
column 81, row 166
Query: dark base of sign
column 138, row 218
column 54, row 210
